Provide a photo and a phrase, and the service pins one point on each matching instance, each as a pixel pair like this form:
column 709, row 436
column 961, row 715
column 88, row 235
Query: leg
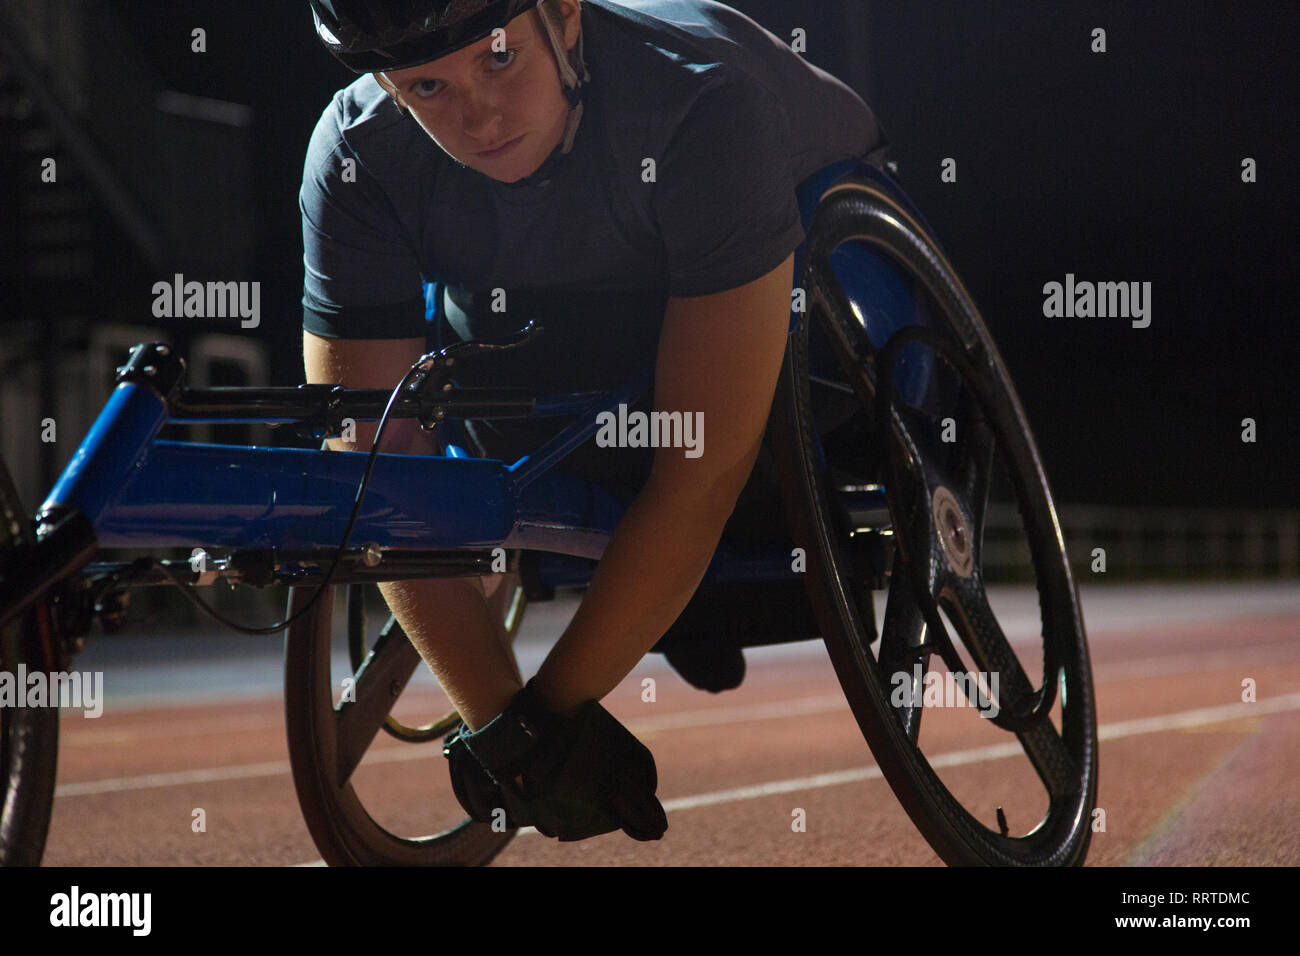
column 462, row 639
column 448, row 619
column 500, row 593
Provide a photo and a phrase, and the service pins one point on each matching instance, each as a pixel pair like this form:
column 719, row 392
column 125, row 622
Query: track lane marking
column 956, row 758
column 1144, row 725
column 695, row 718
column 1136, row 668
column 1115, row 731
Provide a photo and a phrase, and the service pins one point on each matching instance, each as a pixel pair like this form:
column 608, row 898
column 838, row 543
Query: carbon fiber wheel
column 942, row 454
column 29, row 736
column 342, row 687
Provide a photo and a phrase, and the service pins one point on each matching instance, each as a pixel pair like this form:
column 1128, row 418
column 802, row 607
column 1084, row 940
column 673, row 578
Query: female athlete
column 625, row 172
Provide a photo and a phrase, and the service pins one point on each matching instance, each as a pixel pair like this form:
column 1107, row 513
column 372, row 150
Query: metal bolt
column 164, row 350
column 394, row 688
column 150, row 370
column 371, row 555
column 958, row 533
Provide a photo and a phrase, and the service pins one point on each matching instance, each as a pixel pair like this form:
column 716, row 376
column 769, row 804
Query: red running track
column 1189, row 773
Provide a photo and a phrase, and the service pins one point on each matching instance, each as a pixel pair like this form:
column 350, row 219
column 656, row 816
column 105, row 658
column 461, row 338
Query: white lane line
column 186, row 727
column 1185, row 663
column 1125, row 728
column 1115, row 731
column 149, row 781
column 1196, row 718
column 1146, row 667
column 694, row 718
column 397, row 753
column 738, row 714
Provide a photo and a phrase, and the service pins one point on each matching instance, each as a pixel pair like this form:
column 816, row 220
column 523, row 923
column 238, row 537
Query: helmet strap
column 573, row 84
column 569, row 77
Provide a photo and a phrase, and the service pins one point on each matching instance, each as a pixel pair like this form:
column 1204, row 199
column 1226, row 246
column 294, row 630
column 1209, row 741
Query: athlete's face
column 479, row 98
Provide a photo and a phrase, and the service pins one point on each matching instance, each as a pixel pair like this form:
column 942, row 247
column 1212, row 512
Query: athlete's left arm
column 719, row 355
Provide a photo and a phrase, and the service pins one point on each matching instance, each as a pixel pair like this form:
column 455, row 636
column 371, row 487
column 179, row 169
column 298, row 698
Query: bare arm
column 720, row 355
column 449, row 620
column 368, row 363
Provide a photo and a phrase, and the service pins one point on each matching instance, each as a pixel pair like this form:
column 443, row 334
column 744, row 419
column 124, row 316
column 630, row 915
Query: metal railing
column 1155, row 542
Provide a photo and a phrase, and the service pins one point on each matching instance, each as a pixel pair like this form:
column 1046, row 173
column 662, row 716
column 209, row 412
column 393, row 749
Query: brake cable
column 423, row 364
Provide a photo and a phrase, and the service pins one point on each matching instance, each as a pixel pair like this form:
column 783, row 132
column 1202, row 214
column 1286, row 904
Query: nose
column 480, row 118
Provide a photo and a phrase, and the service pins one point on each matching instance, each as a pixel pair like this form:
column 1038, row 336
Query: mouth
column 500, row 150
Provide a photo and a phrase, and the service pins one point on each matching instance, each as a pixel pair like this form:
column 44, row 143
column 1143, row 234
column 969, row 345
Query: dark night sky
column 1122, row 166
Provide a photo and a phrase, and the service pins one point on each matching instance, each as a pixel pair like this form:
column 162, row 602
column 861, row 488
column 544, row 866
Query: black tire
column 29, row 736
column 345, row 833
column 923, row 577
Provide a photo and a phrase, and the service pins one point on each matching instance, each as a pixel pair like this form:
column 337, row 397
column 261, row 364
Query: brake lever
column 433, row 370
column 448, row 355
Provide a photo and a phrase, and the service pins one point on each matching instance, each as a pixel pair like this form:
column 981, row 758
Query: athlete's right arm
column 368, row 363
column 361, row 271
column 449, row 620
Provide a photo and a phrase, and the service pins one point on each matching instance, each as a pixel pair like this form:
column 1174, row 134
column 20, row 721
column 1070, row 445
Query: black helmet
column 374, row 35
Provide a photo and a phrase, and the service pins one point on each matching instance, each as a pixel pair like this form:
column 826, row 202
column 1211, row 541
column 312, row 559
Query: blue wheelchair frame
column 285, row 514
column 138, row 491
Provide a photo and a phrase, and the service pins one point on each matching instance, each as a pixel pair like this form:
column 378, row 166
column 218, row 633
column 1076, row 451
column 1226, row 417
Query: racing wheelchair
column 893, row 422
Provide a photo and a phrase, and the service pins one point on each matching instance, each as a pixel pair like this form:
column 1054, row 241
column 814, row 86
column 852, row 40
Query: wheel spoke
column 973, row 479
column 379, row 682
column 1052, row 760
column 1017, row 702
column 942, row 496
column 902, row 647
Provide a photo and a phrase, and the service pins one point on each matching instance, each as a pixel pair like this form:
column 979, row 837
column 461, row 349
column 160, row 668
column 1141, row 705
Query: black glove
column 477, row 792
column 571, row 778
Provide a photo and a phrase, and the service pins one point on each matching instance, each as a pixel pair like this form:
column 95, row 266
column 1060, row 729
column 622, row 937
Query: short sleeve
column 724, row 197
column 361, row 273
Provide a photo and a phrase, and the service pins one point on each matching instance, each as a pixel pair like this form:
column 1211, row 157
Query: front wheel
column 29, row 736
column 852, row 424
column 337, row 700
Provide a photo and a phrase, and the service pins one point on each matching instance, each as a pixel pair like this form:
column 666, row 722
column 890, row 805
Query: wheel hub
column 954, row 535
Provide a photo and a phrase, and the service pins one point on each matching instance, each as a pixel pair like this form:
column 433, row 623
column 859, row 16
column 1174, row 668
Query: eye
column 513, row 53
column 422, row 88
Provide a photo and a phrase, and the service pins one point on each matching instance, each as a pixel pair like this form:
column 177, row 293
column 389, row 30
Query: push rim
column 327, row 743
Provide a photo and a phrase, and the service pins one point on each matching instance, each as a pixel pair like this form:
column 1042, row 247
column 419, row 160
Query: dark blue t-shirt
column 731, row 116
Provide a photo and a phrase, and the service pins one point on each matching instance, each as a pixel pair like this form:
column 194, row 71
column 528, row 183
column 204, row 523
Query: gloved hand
column 572, row 778
column 477, row 792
